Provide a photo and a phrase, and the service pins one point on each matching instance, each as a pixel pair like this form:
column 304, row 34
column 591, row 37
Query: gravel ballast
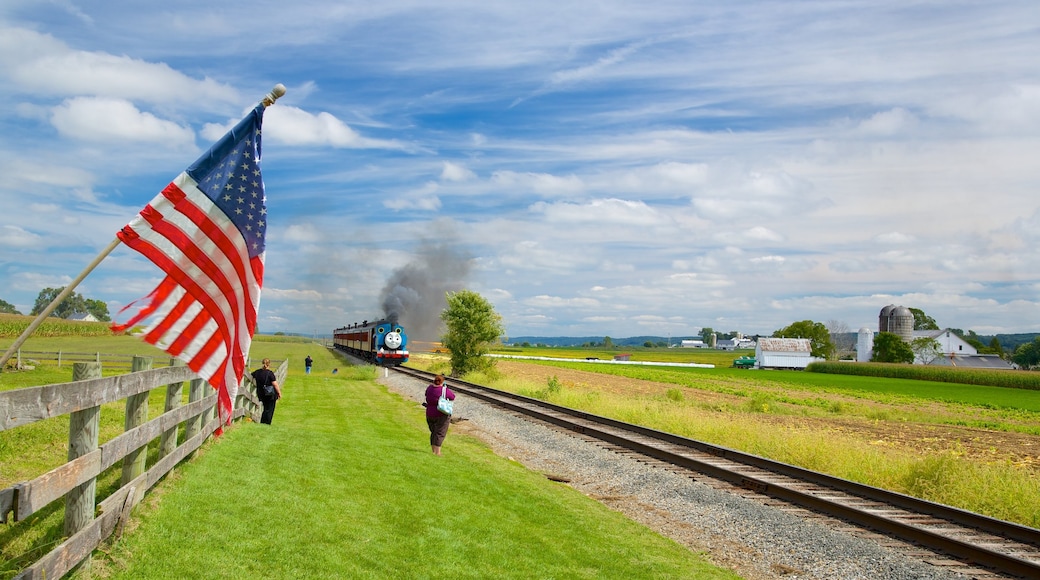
column 756, row 540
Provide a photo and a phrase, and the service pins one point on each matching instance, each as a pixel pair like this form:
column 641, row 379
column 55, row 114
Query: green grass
column 343, row 485
column 719, row 358
column 735, row 381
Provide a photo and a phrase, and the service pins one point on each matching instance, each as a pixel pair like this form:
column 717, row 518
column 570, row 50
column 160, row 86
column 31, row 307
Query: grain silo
column 901, row 322
column 864, row 345
column 883, row 318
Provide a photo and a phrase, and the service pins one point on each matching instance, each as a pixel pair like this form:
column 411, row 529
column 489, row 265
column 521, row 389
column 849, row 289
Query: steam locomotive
column 381, row 342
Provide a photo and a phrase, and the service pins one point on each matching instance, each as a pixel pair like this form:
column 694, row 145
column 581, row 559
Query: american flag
column 206, row 231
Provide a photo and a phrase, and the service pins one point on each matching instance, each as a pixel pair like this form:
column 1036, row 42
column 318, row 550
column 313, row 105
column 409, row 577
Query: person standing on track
column 267, row 390
column 437, row 421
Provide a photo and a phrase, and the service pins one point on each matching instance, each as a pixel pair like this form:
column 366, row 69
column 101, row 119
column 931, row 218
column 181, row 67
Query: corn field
column 994, row 378
column 12, row 325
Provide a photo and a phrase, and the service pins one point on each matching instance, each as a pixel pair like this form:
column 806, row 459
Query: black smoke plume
column 414, row 295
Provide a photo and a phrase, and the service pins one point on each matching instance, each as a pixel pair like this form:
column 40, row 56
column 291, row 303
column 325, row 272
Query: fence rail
column 87, row 521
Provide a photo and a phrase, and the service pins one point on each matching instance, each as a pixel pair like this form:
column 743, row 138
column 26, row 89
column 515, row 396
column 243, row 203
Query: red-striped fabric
column 206, row 231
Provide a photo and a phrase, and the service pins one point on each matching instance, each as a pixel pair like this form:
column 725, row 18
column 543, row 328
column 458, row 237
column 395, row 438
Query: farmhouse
column 957, row 352
column 83, row 316
column 783, row 353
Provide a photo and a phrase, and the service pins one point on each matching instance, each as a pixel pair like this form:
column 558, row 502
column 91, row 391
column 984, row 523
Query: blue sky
column 609, row 168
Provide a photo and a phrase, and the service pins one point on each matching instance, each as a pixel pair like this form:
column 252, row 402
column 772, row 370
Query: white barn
column 783, row 353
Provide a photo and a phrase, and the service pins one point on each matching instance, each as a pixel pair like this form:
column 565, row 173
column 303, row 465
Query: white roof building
column 783, row 353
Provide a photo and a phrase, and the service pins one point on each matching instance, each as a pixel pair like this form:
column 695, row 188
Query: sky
column 614, row 168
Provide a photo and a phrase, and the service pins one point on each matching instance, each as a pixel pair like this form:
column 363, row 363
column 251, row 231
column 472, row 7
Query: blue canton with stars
column 230, row 176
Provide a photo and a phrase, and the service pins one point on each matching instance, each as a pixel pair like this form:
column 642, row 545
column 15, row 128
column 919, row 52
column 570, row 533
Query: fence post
column 195, row 393
column 136, row 414
column 84, row 427
column 59, row 359
column 168, row 440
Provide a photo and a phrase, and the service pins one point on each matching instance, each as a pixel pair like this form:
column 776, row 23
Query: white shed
column 783, row 353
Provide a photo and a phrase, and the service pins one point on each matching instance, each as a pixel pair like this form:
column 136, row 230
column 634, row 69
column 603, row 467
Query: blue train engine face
column 381, row 342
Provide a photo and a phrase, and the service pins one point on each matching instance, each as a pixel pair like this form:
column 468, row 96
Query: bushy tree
column 7, row 308
column 890, row 348
column 926, row 349
column 706, row 333
column 99, row 309
column 1027, row 355
column 472, row 327
column 818, row 335
column 72, row 304
column 922, row 321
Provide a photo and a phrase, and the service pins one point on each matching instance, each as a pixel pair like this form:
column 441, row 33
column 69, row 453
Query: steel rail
column 733, row 466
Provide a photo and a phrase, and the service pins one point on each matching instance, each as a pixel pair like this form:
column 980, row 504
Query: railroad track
column 1002, row 547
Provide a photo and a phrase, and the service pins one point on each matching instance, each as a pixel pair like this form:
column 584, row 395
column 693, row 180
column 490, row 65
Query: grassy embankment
column 343, row 485
column 831, row 423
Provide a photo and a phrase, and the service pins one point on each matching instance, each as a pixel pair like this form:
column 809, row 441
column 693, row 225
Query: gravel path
column 758, row 541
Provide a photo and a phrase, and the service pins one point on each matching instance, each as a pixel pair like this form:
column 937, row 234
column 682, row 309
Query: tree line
column 74, row 303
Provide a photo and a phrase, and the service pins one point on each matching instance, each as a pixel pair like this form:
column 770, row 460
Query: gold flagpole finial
column 273, row 96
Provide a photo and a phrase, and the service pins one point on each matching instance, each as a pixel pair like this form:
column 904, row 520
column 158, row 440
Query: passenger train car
column 381, row 342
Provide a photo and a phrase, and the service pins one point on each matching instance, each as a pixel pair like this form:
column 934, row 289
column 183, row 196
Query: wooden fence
column 88, row 522
column 23, row 358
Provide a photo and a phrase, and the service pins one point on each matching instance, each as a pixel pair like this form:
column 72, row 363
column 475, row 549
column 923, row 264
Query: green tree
column 922, row 321
column 817, row 333
column 99, row 309
column 706, row 333
column 997, row 348
column 608, row 342
column 890, row 348
column 72, row 303
column 926, row 349
column 1027, row 355
column 472, row 327
column 7, row 308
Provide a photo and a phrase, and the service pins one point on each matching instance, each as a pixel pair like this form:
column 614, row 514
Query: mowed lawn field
column 343, row 485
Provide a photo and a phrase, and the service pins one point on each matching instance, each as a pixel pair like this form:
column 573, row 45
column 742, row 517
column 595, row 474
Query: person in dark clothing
column 437, row 421
column 267, row 390
column 307, row 362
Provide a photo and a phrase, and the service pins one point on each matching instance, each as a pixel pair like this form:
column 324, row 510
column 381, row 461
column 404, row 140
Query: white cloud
column 601, row 211
column 895, row 238
column 764, row 234
column 294, row 126
column 39, row 63
column 16, row 237
column 117, row 120
column 888, row 123
column 456, row 172
column 541, row 183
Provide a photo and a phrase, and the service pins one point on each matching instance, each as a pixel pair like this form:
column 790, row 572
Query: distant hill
column 1009, row 342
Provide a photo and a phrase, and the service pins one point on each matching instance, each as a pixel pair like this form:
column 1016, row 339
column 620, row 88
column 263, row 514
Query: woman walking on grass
column 437, row 421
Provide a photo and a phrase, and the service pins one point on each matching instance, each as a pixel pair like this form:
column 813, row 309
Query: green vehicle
column 744, row 362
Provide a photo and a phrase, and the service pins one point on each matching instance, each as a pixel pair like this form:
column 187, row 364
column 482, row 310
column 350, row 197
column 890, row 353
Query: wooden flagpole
column 54, row 303
column 268, row 100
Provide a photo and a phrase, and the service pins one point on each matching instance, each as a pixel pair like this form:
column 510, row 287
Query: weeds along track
column 987, row 544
